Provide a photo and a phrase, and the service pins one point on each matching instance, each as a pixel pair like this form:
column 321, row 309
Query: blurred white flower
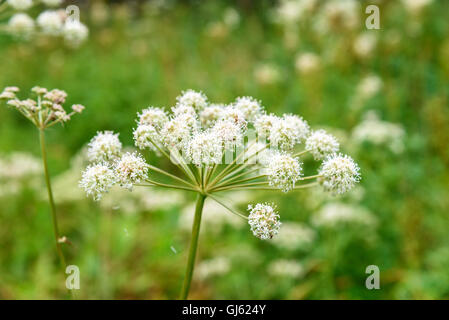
column 369, row 86
column 416, row 6
column 213, row 267
column 267, row 74
column 231, row 17
column 52, row 3
column 365, row 44
column 51, row 22
column 307, row 63
column 74, row 32
column 20, row 4
column 21, row 24
column 378, row 132
column 285, row 268
column 293, row 236
column 335, row 214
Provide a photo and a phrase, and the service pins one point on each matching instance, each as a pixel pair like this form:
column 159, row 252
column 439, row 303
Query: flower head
column 339, row 173
column 283, row 171
column 230, row 133
column 155, row 117
column 235, row 115
column 21, row 24
column 321, row 144
column 51, row 22
column 178, row 130
column 145, row 135
column 105, row 146
column 131, row 168
column 263, row 220
column 205, row 148
column 97, row 179
column 194, row 99
column 264, row 123
column 288, row 131
column 249, row 106
column 74, row 32
column 211, row 114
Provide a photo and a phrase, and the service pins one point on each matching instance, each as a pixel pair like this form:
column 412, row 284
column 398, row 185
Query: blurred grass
column 135, row 59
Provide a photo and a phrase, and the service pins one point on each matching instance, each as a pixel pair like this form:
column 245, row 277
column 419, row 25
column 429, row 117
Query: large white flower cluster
column 198, row 137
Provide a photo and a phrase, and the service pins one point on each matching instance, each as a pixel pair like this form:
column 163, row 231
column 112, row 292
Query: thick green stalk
column 50, row 199
column 193, row 246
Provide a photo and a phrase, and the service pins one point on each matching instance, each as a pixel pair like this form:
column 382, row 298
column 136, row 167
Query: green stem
column 193, row 246
column 50, row 199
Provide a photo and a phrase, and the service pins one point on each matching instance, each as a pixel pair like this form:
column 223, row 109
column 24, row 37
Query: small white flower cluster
column 374, row 131
column 339, row 173
column 44, row 111
column 286, row 268
column 111, row 166
column 50, row 22
column 264, row 220
column 335, row 214
column 283, row 171
column 320, row 144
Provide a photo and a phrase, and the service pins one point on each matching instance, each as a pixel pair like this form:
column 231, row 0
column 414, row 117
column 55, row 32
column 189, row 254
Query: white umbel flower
column 21, row 24
column 288, row 131
column 97, row 179
column 339, row 173
column 194, row 99
column 321, row 144
column 51, row 22
column 205, row 149
column 263, row 220
column 155, row 117
column 105, row 146
column 283, row 171
column 74, row 32
column 249, row 106
column 211, row 114
column 131, row 168
column 229, row 132
column 145, row 136
column 20, row 4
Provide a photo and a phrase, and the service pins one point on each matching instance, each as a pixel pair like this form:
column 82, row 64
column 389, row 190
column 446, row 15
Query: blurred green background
column 384, row 93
